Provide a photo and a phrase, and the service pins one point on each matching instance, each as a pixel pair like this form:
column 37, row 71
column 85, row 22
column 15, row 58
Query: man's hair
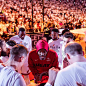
column 68, row 35
column 1, row 42
column 17, row 51
column 11, row 43
column 64, row 31
column 73, row 48
column 3, row 53
column 21, row 29
column 55, row 30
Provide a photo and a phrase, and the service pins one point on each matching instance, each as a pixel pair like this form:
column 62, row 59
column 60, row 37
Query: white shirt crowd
column 56, row 11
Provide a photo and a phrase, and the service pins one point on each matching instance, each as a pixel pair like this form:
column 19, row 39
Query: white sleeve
column 47, row 84
column 30, row 45
column 60, row 79
column 19, row 82
column 12, row 38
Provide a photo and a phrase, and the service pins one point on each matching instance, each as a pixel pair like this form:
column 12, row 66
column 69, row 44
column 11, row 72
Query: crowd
column 57, row 60
column 57, row 13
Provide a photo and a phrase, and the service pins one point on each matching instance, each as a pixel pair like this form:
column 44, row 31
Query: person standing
column 67, row 37
column 25, row 40
column 55, row 44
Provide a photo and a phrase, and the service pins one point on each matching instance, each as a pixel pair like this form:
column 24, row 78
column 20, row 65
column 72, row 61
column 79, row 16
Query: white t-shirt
column 56, row 46
column 50, row 41
column 9, row 77
column 27, row 42
column 68, row 76
column 4, row 58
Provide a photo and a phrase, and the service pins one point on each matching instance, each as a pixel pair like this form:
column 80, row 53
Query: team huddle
column 57, row 62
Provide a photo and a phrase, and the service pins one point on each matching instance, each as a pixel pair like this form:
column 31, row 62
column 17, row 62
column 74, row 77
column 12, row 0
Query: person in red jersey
column 41, row 59
column 1, row 61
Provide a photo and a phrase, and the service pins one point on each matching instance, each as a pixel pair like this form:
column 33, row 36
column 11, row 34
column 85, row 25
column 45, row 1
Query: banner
column 35, row 38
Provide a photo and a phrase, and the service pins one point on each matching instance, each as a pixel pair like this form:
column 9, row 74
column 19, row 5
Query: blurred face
column 3, row 51
column 4, row 46
column 67, row 40
column 54, row 35
column 42, row 54
column 22, row 34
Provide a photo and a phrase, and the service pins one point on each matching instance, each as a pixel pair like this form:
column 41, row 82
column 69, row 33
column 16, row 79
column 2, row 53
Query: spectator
column 17, row 57
column 73, row 74
column 46, row 34
column 41, row 59
column 59, row 12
